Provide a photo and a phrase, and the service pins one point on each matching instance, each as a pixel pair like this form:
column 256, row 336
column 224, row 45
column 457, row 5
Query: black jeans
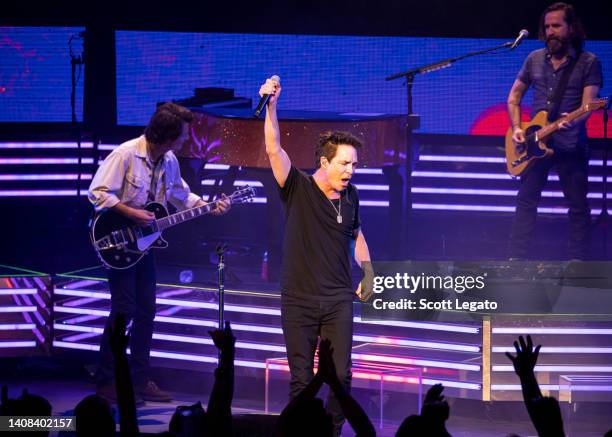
column 572, row 168
column 303, row 321
column 133, row 294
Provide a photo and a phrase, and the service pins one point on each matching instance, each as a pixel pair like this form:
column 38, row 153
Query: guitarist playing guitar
column 563, row 78
column 136, row 173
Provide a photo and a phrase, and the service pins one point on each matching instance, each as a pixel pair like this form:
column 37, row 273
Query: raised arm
column 543, row 411
column 279, row 160
column 524, row 364
column 123, row 381
column 220, row 401
column 356, row 416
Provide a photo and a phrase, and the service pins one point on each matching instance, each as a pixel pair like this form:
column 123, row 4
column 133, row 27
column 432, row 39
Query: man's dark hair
column 94, row 418
column 33, row 405
column 166, row 125
column 329, row 142
column 577, row 34
column 189, row 420
column 307, row 418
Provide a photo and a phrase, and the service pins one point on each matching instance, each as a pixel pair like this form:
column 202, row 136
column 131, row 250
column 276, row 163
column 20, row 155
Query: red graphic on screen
column 595, row 125
column 14, row 75
column 494, row 121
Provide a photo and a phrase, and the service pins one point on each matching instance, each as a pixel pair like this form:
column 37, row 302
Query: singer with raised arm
column 563, row 77
column 137, row 172
column 322, row 230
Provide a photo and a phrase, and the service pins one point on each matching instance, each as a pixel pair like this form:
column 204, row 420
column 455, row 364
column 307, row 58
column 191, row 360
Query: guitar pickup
column 105, row 244
column 519, row 161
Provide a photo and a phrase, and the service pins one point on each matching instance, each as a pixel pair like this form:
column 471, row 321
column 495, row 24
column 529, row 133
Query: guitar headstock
column 243, row 195
column 597, row 104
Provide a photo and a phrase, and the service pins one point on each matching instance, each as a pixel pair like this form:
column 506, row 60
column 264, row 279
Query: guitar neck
column 551, row 128
column 239, row 196
column 183, row 216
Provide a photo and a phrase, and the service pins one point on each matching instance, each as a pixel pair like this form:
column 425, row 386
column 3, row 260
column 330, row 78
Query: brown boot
column 108, row 392
column 151, row 392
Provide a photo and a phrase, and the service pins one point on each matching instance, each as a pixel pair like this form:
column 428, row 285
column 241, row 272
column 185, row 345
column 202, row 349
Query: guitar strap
column 560, row 90
column 154, row 179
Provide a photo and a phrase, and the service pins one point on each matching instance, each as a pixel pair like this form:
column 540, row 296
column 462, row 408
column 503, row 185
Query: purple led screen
column 35, row 74
column 327, row 73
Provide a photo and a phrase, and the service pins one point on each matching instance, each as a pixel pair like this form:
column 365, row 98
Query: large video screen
column 36, row 73
column 328, row 73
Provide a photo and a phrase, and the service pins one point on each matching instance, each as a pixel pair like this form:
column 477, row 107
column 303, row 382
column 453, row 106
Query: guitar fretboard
column 549, row 129
column 183, row 216
column 239, row 196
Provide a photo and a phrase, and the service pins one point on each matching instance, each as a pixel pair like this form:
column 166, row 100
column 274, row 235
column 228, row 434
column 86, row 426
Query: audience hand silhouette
column 224, row 338
column 526, row 356
column 435, row 408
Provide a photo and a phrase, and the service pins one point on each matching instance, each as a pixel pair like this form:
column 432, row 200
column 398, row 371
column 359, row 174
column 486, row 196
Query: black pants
column 303, row 321
column 572, row 168
column 133, row 294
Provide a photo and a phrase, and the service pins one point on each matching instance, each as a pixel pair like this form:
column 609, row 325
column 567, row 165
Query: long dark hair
column 577, row 34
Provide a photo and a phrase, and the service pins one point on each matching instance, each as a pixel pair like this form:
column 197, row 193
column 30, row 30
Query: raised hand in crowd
column 224, row 340
column 351, row 409
column 431, row 421
column 119, row 339
column 544, row 412
column 526, row 357
column 435, row 411
column 524, row 363
column 220, row 401
column 6, row 404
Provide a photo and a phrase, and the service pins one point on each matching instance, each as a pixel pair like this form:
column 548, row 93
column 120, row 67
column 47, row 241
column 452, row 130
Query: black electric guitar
column 537, row 131
column 120, row 243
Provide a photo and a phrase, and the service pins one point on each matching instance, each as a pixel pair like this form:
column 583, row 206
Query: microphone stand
column 221, row 248
column 76, row 60
column 414, row 123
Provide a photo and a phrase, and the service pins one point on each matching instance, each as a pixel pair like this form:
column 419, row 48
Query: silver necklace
column 338, row 215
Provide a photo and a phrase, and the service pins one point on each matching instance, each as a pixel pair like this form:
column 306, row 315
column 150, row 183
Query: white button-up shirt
column 125, row 176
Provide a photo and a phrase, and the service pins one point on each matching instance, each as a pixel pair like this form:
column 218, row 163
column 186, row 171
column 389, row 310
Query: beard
column 557, row 45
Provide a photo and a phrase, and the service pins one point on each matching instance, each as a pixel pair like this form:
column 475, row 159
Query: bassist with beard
column 543, row 70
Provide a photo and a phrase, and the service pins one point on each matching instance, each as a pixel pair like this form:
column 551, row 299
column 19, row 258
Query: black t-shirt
column 316, row 248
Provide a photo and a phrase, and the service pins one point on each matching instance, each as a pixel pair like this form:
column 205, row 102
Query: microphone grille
column 275, row 78
column 525, row 32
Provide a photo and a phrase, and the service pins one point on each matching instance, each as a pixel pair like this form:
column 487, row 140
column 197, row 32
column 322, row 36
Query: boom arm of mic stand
column 445, row 63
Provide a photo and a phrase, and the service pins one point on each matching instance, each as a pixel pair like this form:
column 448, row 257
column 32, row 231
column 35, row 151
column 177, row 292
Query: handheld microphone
column 264, row 99
column 522, row 35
